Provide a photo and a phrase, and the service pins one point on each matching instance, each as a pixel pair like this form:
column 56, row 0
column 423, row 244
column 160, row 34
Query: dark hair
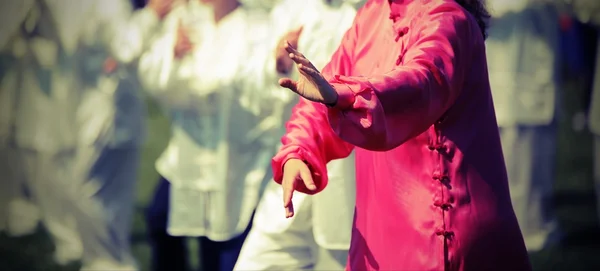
column 478, row 10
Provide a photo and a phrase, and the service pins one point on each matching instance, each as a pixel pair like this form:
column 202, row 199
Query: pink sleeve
column 381, row 112
column 309, row 136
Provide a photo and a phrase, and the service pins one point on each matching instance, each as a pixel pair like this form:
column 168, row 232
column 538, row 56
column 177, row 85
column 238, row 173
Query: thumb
column 306, row 176
column 289, row 84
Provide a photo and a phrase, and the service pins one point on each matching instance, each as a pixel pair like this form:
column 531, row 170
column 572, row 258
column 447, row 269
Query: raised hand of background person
column 110, row 65
column 183, row 44
column 161, row 7
column 284, row 63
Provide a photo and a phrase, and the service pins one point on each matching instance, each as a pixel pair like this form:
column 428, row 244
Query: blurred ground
column 575, row 203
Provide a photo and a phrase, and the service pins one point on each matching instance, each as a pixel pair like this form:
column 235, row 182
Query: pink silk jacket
column 415, row 101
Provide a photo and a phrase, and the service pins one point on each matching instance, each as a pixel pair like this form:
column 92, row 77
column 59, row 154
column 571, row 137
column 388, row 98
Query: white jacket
column 224, row 120
column 41, row 82
column 112, row 110
column 523, row 61
column 43, row 85
column 324, row 26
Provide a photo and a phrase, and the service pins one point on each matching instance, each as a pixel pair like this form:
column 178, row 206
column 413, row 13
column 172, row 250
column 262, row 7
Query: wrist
column 332, row 102
column 345, row 94
column 291, row 159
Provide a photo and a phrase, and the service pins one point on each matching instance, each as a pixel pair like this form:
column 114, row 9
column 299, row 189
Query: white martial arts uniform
column 47, row 134
column 224, row 123
column 523, row 60
column 111, row 118
column 318, row 236
column 42, row 133
column 14, row 220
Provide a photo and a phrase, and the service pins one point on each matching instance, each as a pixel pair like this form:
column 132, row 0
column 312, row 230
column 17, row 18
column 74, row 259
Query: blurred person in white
column 111, row 119
column 47, row 79
column 524, row 60
column 41, row 134
column 318, row 238
column 225, row 123
column 588, row 11
column 18, row 216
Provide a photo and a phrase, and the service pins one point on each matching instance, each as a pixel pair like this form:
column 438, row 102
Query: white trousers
column 86, row 200
column 530, row 154
column 18, row 216
column 50, row 180
column 107, row 206
column 277, row 243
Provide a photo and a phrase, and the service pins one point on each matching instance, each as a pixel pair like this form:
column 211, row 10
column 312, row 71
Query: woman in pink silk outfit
column 408, row 87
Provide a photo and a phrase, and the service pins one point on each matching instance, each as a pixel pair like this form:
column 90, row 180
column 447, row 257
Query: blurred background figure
column 524, row 60
column 224, row 131
column 72, row 124
column 54, row 73
column 18, row 216
column 319, row 237
column 594, row 124
column 588, row 12
column 594, row 116
column 43, row 130
column 111, row 118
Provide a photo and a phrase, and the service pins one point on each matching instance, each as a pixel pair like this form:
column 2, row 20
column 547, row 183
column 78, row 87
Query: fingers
column 288, row 192
column 289, row 211
column 290, row 49
column 309, row 71
column 300, row 59
column 289, row 84
column 307, row 179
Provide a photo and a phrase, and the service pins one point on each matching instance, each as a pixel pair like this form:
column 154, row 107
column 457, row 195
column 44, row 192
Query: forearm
column 381, row 112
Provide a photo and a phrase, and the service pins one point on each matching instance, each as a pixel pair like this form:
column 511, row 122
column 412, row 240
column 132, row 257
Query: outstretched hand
column 295, row 172
column 311, row 84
